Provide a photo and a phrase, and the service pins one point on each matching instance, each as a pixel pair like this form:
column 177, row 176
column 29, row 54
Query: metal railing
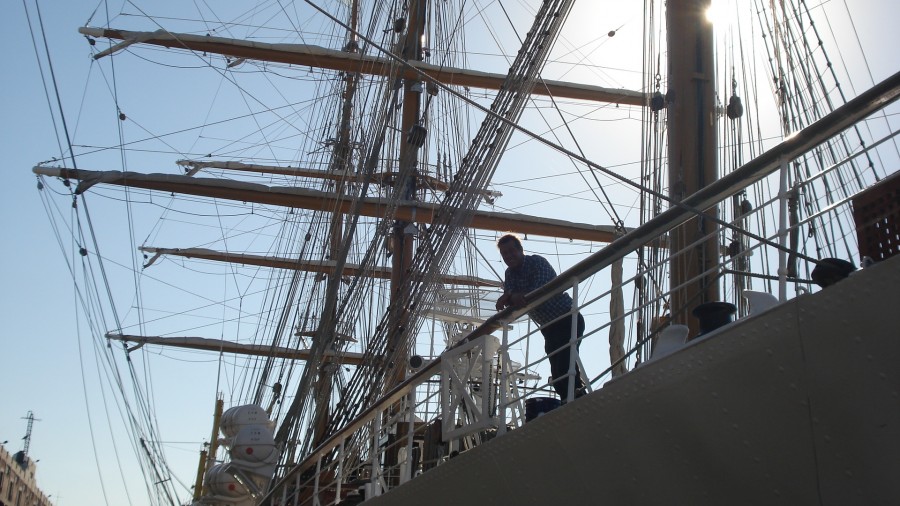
column 482, row 392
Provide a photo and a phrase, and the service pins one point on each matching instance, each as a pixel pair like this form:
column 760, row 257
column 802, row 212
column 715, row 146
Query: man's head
column 511, row 250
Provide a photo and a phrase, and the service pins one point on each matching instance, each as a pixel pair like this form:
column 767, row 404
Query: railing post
column 339, row 473
column 411, row 403
column 783, row 229
column 316, row 481
column 486, row 390
column 296, row 488
column 376, row 472
column 504, row 381
column 573, row 340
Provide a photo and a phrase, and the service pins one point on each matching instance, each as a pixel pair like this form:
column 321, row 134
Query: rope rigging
column 143, row 427
column 297, row 309
column 444, row 232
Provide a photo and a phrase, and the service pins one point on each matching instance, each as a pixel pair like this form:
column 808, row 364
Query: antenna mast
column 27, row 438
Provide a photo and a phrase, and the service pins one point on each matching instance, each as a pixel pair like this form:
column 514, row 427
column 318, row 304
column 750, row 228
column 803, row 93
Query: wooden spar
column 384, row 178
column 213, row 439
column 692, row 155
column 263, row 350
column 319, row 57
column 324, row 267
column 420, row 212
column 337, row 336
column 201, row 469
column 208, row 459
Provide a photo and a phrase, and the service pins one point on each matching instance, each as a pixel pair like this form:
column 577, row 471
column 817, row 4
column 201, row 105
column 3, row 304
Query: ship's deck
column 797, row 405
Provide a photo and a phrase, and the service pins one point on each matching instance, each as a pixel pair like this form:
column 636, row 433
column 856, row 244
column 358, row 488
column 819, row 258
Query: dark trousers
column 556, row 336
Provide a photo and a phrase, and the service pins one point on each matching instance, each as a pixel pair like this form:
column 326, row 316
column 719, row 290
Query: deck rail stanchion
column 502, row 357
column 410, row 429
column 316, row 481
column 376, row 472
column 573, row 344
column 296, row 489
column 783, row 196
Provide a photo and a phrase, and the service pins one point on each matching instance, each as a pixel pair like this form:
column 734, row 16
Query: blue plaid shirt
column 534, row 273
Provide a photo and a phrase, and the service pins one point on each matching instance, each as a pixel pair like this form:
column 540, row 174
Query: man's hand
column 502, row 302
column 515, row 300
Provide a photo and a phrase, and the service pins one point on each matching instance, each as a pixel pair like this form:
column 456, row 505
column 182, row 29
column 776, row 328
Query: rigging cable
column 71, row 154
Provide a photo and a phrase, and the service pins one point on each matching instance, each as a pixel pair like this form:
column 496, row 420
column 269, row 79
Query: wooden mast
column 692, row 154
column 341, row 162
column 403, row 231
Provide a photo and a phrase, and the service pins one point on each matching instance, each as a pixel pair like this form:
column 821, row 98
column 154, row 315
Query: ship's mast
column 341, row 162
column 402, row 233
column 692, row 154
column 406, row 215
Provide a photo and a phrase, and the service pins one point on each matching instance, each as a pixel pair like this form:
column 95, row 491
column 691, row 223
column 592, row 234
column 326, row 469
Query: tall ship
column 303, row 201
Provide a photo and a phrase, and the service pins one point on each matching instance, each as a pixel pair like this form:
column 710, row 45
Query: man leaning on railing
column 524, row 274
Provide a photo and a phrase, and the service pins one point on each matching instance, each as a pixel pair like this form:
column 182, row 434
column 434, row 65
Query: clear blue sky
column 39, row 351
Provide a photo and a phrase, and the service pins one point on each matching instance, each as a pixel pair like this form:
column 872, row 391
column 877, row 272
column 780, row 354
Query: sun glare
column 717, row 14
